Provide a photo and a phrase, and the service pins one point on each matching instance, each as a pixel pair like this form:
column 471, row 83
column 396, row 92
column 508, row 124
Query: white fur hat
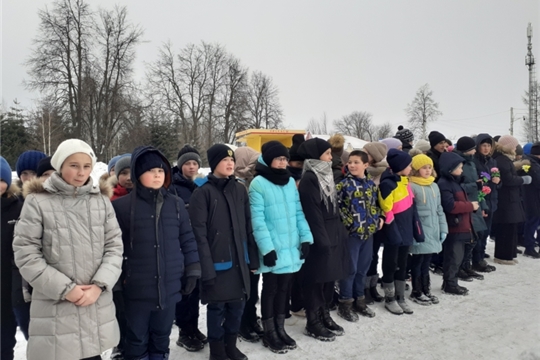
column 68, row 148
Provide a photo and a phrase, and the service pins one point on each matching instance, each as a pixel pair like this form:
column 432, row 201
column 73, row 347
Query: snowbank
column 498, row 320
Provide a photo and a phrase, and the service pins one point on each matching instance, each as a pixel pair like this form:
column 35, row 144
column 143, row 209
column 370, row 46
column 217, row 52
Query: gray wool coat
column 68, row 236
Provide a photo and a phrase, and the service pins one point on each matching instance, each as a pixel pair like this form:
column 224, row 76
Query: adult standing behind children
column 159, row 247
column 438, row 146
column 328, row 260
column 68, row 247
column 283, row 238
column 221, row 221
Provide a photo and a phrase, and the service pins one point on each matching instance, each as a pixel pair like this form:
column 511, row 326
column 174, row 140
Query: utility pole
column 512, row 121
column 533, row 96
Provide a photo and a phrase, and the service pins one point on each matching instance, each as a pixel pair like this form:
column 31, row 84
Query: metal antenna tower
column 532, row 133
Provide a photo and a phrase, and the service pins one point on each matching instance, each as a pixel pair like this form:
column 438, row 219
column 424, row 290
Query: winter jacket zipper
column 158, row 210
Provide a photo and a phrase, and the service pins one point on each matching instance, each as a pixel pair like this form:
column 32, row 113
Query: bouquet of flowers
column 485, row 177
column 486, row 190
column 495, row 172
column 526, row 168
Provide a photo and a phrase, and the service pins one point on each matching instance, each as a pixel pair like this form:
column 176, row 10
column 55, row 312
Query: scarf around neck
column 422, row 181
column 325, row 176
column 275, row 176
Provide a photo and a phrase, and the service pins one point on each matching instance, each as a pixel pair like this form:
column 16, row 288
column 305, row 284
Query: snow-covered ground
column 500, row 319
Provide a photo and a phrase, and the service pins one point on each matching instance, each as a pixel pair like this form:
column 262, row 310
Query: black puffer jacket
column 181, row 186
column 485, row 164
column 510, row 208
column 221, row 220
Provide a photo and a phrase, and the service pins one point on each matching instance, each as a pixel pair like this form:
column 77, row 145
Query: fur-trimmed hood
column 519, row 163
column 13, row 190
column 56, row 184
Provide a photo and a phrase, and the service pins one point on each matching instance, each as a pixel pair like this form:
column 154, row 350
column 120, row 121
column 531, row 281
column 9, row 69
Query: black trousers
column 454, row 248
column 187, row 311
column 506, row 241
column 274, row 294
column 223, row 319
column 420, row 265
column 394, row 263
column 118, row 299
column 378, row 238
column 317, row 295
column 250, row 310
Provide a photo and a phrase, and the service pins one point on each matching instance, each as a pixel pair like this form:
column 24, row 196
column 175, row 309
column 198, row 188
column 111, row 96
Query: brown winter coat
column 68, row 236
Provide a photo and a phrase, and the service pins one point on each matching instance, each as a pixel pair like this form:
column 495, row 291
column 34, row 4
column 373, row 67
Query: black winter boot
column 329, row 323
column 199, row 335
column 474, row 274
column 373, row 289
column 256, row 327
column 271, row 339
column 455, row 290
column 217, row 351
column 290, row 344
column 426, row 289
column 188, row 341
column 247, row 334
column 367, row 292
column 416, row 294
column 361, row 307
column 345, row 310
column 316, row 329
column 230, row 348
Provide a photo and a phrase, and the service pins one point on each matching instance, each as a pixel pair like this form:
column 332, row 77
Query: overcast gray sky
column 338, row 56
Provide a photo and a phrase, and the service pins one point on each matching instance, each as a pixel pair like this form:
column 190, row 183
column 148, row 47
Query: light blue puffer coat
column 278, row 223
column 430, row 211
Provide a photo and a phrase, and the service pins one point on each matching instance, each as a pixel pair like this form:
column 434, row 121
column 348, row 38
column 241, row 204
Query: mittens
column 270, row 259
column 304, row 250
column 526, row 179
column 191, row 281
column 443, row 236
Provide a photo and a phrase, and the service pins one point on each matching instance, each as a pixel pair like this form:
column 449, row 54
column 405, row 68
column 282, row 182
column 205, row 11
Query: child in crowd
column 187, row 310
column 159, row 247
column 402, row 227
column 244, row 170
column 328, row 259
column 11, row 209
column 68, row 247
column 44, row 168
column 428, row 202
column 221, row 220
column 357, row 200
column 283, row 238
column 121, row 182
column 458, row 210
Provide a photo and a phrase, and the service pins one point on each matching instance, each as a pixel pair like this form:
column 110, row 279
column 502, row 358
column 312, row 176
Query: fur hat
column 435, row 137
column 405, row 135
column 509, row 142
column 422, row 145
column 44, row 165
column 272, row 150
column 398, row 160
column 28, row 160
column 392, row 143
column 5, row 171
column 68, row 148
column 337, row 142
column 123, row 163
column 535, row 148
column 186, row 154
column 297, row 140
column 216, row 153
column 376, row 150
column 465, row 144
column 421, row 160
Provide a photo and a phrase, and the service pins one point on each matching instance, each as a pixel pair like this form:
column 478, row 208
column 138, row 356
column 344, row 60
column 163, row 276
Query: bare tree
column 382, row 131
column 421, row 111
column 263, row 103
column 319, row 126
column 357, row 124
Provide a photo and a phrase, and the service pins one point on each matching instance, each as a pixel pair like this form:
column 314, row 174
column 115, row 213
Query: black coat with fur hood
column 510, row 204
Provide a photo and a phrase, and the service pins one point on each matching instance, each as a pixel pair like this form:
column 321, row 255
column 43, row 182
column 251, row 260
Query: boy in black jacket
column 221, row 220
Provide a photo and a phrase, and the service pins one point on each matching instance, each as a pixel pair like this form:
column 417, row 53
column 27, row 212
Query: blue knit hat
column 398, row 160
column 112, row 163
column 29, row 160
column 527, row 148
column 5, row 171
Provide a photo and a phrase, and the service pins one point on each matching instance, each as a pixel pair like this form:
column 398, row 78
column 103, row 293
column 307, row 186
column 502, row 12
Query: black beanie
column 496, row 138
column 435, row 137
column 272, row 150
column 313, row 148
column 148, row 161
column 44, row 165
column 216, row 153
column 535, row 149
column 519, row 150
column 398, row 160
column 405, row 135
column 297, row 140
column 465, row 144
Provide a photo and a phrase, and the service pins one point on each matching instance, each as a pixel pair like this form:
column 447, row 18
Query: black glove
column 208, row 283
column 304, row 250
column 189, row 285
column 270, row 259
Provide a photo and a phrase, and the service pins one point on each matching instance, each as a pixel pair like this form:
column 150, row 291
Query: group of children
column 310, row 220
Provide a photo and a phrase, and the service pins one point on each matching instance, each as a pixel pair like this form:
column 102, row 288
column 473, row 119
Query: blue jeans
column 223, row 318
column 529, row 229
column 361, row 254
